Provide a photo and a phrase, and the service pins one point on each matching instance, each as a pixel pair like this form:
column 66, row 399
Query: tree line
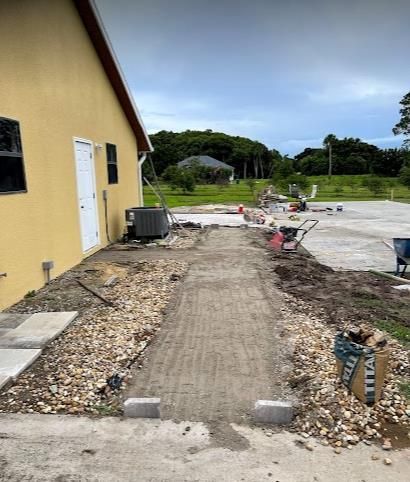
column 350, row 156
column 249, row 158
column 252, row 158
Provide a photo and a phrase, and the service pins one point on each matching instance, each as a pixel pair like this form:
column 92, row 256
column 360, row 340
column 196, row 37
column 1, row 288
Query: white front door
column 86, row 193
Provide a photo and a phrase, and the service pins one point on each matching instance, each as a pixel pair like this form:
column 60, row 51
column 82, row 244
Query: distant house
column 208, row 162
column 71, row 142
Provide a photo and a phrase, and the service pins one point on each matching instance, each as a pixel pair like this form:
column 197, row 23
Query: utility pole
column 330, row 160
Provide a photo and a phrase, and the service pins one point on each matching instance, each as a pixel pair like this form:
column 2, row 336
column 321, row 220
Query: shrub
column 186, row 182
column 202, row 174
column 171, row 172
column 179, row 178
column 404, row 176
column 251, row 183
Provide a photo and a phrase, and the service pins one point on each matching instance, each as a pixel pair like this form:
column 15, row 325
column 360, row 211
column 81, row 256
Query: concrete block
column 13, row 362
column 214, row 226
column 273, row 411
column 38, row 330
column 142, row 407
column 3, row 381
column 244, row 226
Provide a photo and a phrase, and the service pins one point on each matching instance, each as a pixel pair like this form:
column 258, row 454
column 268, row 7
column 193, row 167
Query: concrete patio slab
column 353, row 239
column 347, row 240
column 13, row 362
column 38, row 330
column 206, row 219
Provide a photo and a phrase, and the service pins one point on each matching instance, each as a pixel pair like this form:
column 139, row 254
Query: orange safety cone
column 240, row 209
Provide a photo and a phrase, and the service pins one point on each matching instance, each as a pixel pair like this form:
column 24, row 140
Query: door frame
column 87, row 141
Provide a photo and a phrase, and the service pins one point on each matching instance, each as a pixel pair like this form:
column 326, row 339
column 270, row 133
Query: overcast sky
column 286, row 73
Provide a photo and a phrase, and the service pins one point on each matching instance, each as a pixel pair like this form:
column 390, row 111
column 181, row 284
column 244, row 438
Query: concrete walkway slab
column 12, row 320
column 13, row 362
column 38, row 330
column 3, row 380
column 9, row 321
column 54, row 448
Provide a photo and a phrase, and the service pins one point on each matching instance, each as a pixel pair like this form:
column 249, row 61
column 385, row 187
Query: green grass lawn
column 349, row 188
column 339, row 188
column 205, row 194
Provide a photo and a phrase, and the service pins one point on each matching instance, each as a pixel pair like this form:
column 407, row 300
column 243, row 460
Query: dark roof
column 205, row 161
column 94, row 26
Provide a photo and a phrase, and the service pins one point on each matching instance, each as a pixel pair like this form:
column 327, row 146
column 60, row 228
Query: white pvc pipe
column 140, row 163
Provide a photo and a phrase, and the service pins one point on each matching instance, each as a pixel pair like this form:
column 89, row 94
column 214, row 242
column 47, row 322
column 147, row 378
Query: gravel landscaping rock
column 326, row 408
column 81, row 370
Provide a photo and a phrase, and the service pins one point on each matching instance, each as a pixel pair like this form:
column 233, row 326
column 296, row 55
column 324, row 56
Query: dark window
column 12, row 177
column 112, row 164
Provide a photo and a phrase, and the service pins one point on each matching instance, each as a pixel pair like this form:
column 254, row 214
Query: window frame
column 110, row 147
column 17, row 155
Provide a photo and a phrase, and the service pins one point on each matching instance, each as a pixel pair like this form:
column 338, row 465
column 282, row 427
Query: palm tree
column 327, row 142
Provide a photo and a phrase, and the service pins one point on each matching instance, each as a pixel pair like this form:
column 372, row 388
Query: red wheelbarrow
column 287, row 238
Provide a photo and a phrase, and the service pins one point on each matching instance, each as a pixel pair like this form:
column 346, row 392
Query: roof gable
column 99, row 38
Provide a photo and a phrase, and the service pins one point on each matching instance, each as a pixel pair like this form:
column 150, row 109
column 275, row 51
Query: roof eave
column 93, row 24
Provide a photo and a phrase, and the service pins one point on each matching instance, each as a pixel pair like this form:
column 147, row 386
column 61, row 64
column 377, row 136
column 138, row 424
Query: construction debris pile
column 255, row 216
column 186, row 242
column 182, row 236
column 187, row 233
column 362, row 335
column 268, row 196
column 90, row 360
column 327, row 409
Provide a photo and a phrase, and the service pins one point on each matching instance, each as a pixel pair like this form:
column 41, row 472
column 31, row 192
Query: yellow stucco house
column 71, row 142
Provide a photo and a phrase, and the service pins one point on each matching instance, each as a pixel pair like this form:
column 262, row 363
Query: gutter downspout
column 140, row 163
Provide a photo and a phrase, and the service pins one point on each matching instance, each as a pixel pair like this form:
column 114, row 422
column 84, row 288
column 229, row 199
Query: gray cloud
column 282, row 72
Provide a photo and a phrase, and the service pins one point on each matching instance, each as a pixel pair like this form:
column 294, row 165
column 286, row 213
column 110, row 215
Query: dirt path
column 220, row 347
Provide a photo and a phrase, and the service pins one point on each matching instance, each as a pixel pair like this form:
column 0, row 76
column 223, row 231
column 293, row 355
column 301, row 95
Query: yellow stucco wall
column 52, row 82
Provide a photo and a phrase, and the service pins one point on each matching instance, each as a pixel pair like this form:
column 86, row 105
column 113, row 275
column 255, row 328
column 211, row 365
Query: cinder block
column 142, row 407
column 214, row 226
column 273, row 411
